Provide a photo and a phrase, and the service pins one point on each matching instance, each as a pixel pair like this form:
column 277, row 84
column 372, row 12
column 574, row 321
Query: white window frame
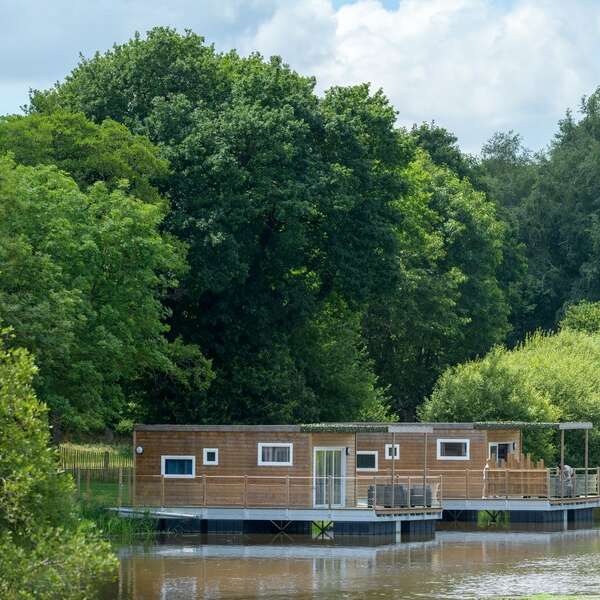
column 388, row 453
column 268, row 463
column 510, row 442
column 165, row 457
column 465, row 441
column 209, row 463
column 375, row 453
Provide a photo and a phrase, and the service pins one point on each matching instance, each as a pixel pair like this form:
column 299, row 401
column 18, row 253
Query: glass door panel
column 329, row 476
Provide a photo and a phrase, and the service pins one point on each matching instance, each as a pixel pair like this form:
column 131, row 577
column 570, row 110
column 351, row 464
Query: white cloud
column 474, row 66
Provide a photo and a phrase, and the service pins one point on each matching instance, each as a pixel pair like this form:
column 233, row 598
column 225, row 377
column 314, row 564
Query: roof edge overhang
column 367, row 427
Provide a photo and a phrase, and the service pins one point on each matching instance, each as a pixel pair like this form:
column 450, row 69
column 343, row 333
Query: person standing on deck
column 486, row 475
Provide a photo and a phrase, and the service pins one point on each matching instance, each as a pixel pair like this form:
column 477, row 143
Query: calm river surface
column 456, row 564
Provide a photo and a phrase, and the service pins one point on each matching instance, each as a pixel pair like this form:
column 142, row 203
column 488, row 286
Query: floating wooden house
column 359, row 471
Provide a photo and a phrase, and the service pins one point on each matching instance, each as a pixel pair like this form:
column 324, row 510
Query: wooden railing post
column 467, row 483
column 287, row 489
column 409, row 494
column 548, row 483
column 245, row 491
column 204, row 482
column 506, row 483
column 162, row 491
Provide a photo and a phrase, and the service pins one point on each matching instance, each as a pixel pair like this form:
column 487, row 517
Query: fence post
column 467, row 484
column 88, row 485
column 79, row 483
column 330, row 489
column 597, row 481
column 204, row 489
column 120, row 487
column 409, row 494
column 245, row 491
column 506, row 482
column 162, row 491
column 287, row 489
column 548, row 483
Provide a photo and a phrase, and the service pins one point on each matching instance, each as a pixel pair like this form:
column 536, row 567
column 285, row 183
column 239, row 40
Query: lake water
column 455, row 565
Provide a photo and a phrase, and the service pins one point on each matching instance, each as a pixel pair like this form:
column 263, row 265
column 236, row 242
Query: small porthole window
column 210, row 456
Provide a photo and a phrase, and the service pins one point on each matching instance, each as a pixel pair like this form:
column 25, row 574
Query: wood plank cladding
column 412, row 450
column 238, row 479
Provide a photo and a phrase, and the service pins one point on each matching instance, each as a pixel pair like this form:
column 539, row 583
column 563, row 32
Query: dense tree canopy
column 448, row 305
column 335, row 264
column 81, row 284
column 304, row 217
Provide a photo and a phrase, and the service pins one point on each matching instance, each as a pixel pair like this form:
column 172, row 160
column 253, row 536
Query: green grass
column 95, row 503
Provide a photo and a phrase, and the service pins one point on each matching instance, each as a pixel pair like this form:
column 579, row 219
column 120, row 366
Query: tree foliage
column 82, row 278
column 547, row 378
column 448, row 305
column 46, row 551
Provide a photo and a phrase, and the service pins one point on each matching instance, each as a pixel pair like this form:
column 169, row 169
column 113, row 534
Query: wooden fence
column 83, row 458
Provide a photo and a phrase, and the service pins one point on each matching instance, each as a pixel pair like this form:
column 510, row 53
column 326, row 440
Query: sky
column 472, row 66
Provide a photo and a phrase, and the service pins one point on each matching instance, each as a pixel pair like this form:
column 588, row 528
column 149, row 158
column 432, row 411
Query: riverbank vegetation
column 46, row 549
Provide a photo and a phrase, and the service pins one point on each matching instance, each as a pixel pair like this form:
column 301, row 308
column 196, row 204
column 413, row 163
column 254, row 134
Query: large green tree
column 447, row 305
column 81, row 280
column 284, row 200
column 46, row 550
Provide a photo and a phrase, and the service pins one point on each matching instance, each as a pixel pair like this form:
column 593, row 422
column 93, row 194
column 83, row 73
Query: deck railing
column 400, row 493
column 518, row 483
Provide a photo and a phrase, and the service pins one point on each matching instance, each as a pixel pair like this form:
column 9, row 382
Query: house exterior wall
column 238, row 479
column 505, row 435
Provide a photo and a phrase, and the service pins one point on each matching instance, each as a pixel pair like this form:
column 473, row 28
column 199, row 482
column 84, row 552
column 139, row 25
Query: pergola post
column 424, row 468
column 562, row 463
column 586, row 459
column 394, row 471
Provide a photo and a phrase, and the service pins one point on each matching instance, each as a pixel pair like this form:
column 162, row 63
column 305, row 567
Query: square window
column 389, row 453
column 210, row 456
column 453, row 449
column 275, row 454
column 366, row 460
column 183, row 467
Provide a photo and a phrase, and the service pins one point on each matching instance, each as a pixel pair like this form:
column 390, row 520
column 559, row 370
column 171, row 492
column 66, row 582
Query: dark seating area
column 398, row 496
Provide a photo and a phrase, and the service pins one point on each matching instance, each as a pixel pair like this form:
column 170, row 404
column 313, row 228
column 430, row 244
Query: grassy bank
column 96, row 506
column 95, row 468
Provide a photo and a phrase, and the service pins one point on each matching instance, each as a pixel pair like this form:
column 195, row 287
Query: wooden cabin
column 350, row 465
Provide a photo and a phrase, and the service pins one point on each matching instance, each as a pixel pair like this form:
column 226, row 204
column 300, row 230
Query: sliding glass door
column 329, row 471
